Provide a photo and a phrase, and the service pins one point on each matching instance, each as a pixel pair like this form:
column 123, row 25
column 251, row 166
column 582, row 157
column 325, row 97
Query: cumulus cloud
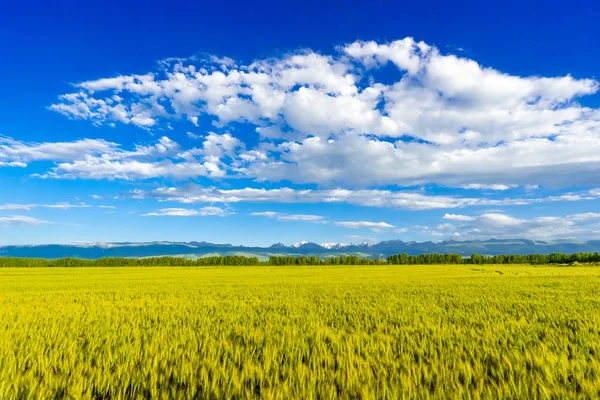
column 358, row 160
column 98, row 159
column 186, row 212
column 326, row 119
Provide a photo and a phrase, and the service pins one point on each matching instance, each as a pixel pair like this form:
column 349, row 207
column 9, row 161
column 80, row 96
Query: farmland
column 495, row 331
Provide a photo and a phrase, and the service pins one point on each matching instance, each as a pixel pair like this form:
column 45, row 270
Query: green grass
column 313, row 332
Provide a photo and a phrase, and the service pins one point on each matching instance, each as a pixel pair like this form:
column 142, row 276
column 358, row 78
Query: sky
column 260, row 122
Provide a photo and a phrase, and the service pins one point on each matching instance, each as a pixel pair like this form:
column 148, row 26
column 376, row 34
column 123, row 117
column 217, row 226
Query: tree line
column 425, row 259
column 131, row 262
column 314, row 260
column 396, row 259
column 536, row 259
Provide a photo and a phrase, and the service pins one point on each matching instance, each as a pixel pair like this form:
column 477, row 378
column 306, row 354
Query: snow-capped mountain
column 335, row 246
column 381, row 249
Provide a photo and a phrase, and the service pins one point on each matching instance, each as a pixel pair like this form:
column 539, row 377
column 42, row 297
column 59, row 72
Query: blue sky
column 261, row 122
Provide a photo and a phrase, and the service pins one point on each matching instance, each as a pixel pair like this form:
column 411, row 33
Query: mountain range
column 382, row 249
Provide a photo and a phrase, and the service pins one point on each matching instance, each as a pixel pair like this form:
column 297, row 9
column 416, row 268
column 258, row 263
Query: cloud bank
column 500, row 225
column 364, row 125
column 327, row 119
column 409, row 200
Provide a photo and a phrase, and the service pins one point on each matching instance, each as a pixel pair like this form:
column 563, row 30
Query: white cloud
column 63, row 206
column 370, row 198
column 21, row 220
column 500, row 225
column 302, row 217
column 478, row 186
column 458, row 217
column 315, row 219
column 268, row 214
column 362, row 239
column 186, row 212
column 101, row 168
column 426, row 230
column 27, row 207
column 13, row 164
column 19, row 154
column 357, row 160
column 446, row 120
column 444, row 227
column 90, row 159
column 374, row 226
column 350, row 159
column 499, row 220
column 15, row 207
column 585, row 216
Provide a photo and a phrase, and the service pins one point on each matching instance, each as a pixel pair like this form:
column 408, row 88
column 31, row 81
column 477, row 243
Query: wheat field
column 300, row 332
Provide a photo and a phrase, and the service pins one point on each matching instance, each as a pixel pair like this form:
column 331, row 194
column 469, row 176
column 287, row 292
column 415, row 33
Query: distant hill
column 381, row 249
